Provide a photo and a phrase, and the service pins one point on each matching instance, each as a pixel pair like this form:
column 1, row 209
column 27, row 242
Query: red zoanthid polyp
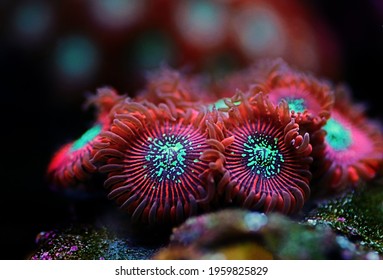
column 262, row 161
column 152, row 159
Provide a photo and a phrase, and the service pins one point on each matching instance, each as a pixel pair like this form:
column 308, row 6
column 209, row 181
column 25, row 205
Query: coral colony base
column 268, row 138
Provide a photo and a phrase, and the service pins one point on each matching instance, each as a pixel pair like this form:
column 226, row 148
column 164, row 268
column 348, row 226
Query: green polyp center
column 203, row 15
column 166, row 156
column 220, row 104
column 338, row 136
column 88, row 136
column 296, row 104
column 262, row 155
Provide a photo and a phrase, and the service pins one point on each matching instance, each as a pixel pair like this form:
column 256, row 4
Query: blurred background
column 52, row 53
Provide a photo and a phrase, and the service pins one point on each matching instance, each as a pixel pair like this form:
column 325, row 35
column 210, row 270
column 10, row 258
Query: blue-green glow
column 32, row 19
column 76, row 57
column 220, row 104
column 262, row 155
column 338, row 136
column 296, row 104
column 115, row 8
column 152, row 49
column 166, row 156
column 88, row 136
column 201, row 22
column 259, row 31
column 204, row 15
column 116, row 13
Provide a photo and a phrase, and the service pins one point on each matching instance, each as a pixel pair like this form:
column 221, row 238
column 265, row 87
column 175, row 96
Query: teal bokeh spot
column 117, row 13
column 338, row 136
column 115, row 8
column 203, row 14
column 152, row 49
column 262, row 155
column 76, row 57
column 260, row 31
column 32, row 19
column 88, row 136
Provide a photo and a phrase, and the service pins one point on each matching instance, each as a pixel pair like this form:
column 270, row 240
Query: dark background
column 39, row 112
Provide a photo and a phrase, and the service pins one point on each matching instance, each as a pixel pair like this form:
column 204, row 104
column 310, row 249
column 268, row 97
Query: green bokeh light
column 204, row 15
column 152, row 49
column 76, row 57
column 32, row 19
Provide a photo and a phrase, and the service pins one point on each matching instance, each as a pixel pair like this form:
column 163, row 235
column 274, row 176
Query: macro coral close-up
column 161, row 130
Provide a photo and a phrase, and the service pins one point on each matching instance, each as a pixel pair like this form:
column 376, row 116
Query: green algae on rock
column 87, row 243
column 358, row 215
